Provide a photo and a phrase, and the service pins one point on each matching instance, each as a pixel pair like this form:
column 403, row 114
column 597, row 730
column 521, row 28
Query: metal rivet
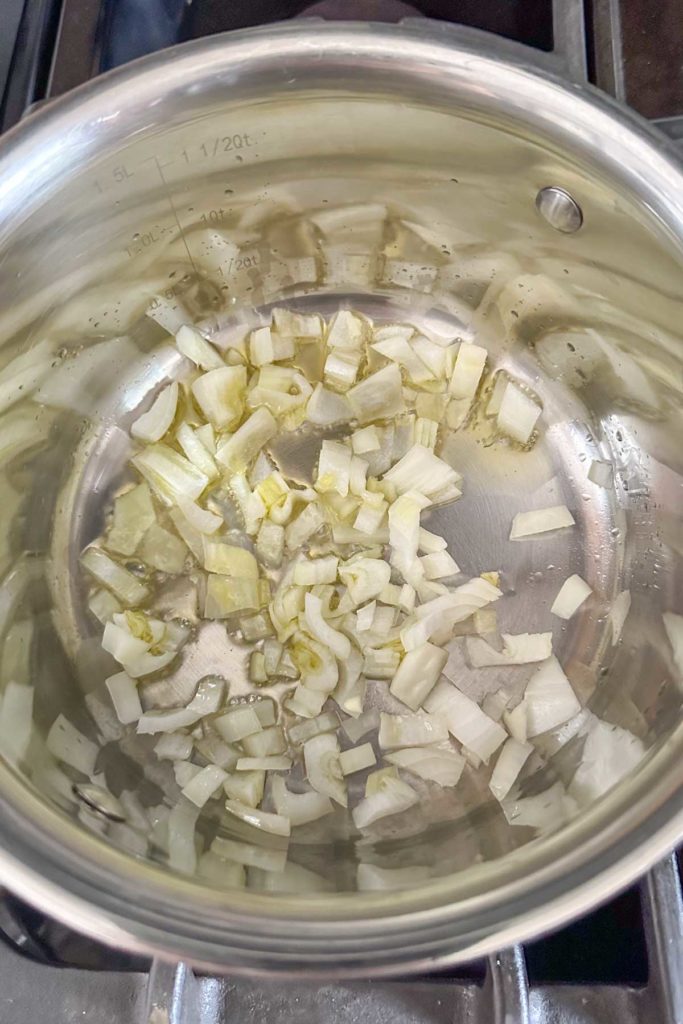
column 98, row 799
column 560, row 209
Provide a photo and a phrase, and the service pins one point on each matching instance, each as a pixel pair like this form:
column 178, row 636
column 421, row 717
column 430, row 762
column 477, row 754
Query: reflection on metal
column 569, row 35
column 663, row 922
column 99, row 800
column 608, row 54
column 560, row 209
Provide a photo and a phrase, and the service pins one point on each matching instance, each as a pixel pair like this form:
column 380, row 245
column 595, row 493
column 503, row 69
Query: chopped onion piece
column 543, row 811
column 270, row 544
column 365, row 439
column 306, row 703
column 410, row 730
column 204, row 785
column 422, row 471
column 196, row 348
column 392, row 797
column 222, row 872
column 170, row 474
column 304, row 526
column 341, row 368
column 122, row 583
column 573, row 592
column 365, row 578
column 265, row 710
column 133, row 515
column 289, row 324
column 220, row 395
column 16, row 720
column 276, row 824
column 182, row 822
column 549, row 698
column 71, row 747
column 166, row 720
column 237, row 723
column 124, row 697
column 509, row 764
column 600, row 473
column 195, row 451
column 518, row 414
column 357, row 758
column 162, row 550
column 323, row 767
column 246, row 787
column 312, row 727
column 154, row 423
column 430, row 543
column 518, row 649
column 229, row 560
column 334, row 467
column 173, row 747
column 339, row 644
column 237, row 451
column 418, row 674
column 209, row 696
column 438, row 565
column 327, row 408
column 609, row 754
column 398, row 350
column 380, row 663
column 356, row 728
column 673, row 624
column 316, row 570
column 431, row 763
column 265, row 743
column 526, row 524
column 465, row 720
column 229, row 595
column 299, row 808
column 618, row 614
column 200, row 519
column 467, row 371
column 379, row 396
column 346, row 331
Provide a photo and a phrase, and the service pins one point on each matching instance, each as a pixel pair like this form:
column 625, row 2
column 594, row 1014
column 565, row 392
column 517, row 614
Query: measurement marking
column 175, row 213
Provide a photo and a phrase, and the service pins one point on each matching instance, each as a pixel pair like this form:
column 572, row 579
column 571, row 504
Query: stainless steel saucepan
column 418, row 173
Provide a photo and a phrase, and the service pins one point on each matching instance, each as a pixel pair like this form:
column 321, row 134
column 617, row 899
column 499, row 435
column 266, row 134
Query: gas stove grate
column 33, row 991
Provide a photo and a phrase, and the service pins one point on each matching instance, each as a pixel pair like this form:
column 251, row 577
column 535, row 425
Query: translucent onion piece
column 601, row 473
column 275, row 824
column 323, row 768
column 422, row 471
column 379, row 396
column 365, row 439
column 244, row 445
column 204, row 784
column 549, row 698
column 221, row 872
column 465, row 719
column 196, row 451
column 166, row 720
column 16, row 720
column 316, row 570
column 339, row 644
column 306, row 703
column 518, row 649
column 392, row 797
column 71, row 747
column 542, row 520
column 432, row 763
column 410, row 730
column 365, row 578
column 418, row 674
column 356, row 759
column 509, row 764
column 246, row 786
column 467, row 371
column 133, row 515
column 154, row 423
column 618, row 614
column 173, row 747
column 237, row 723
column 195, row 347
column 124, row 697
column 518, row 414
column 182, row 821
column 299, row 808
column 609, row 754
column 544, row 811
column 264, row 857
column 326, row 408
column 122, row 583
column 162, row 550
column 573, row 592
column 169, row 473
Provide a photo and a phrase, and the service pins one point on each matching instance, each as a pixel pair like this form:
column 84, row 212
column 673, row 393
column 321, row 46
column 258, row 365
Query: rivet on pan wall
column 560, row 209
column 99, row 800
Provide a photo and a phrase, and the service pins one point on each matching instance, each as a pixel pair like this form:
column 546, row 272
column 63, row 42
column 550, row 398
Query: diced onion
column 518, row 649
column 357, row 758
column 299, row 808
column 195, row 347
column 68, row 745
column 542, row 520
column 618, row 614
column 276, row 824
column 323, row 768
column 16, row 720
column 509, row 764
column 124, row 697
column 204, row 785
column 122, row 583
column 549, row 698
column 410, row 730
column 392, row 797
column 417, row 674
column 152, row 425
column 465, row 720
column 518, row 414
column 432, row 763
column 573, row 592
